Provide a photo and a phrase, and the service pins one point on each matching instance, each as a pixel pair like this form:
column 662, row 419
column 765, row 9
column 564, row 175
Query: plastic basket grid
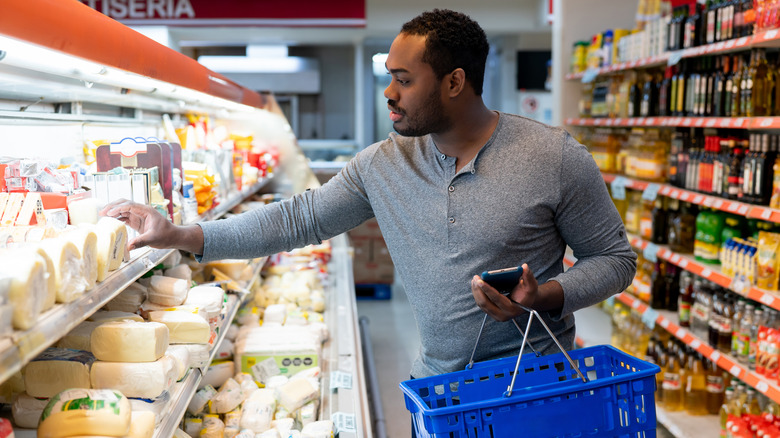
column 548, row 400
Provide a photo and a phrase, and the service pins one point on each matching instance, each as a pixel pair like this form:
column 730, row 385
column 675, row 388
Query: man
column 459, row 189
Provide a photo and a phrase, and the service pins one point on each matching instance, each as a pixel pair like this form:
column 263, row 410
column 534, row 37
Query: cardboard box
column 372, row 262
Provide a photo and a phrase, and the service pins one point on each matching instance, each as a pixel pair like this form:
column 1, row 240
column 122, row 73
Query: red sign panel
column 300, row 13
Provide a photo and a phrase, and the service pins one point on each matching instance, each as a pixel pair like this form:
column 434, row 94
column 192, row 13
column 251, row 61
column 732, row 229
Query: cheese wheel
column 168, row 291
column 85, row 412
column 181, row 356
column 108, row 316
column 27, row 410
column 57, row 369
column 213, row 427
column 115, row 250
column 28, row 285
column 139, row 380
column 183, row 327
column 129, row 341
column 86, row 242
column 79, row 337
column 141, row 424
column 201, row 398
column 67, row 268
column 217, row 374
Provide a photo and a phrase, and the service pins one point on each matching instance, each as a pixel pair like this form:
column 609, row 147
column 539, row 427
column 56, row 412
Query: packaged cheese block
column 108, row 316
column 248, row 387
column 275, row 314
column 217, row 374
column 225, row 350
column 209, row 297
column 27, row 410
column 157, row 406
column 79, row 337
column 168, row 291
column 83, row 211
column 258, row 410
column 232, row 268
column 113, row 243
column 129, row 341
column 318, row 429
column 50, row 296
column 181, row 356
column 307, row 413
column 199, row 354
column 182, row 271
column 141, row 424
column 232, row 419
column 139, row 379
column 281, row 413
column 86, row 242
column 213, row 427
column 227, row 399
column 129, row 300
column 201, row 399
column 183, row 327
column 57, row 369
column 284, row 426
column 28, row 286
column 13, row 386
column 296, row 393
column 70, row 282
column 276, row 382
column 85, row 412
column 193, row 426
column 6, row 430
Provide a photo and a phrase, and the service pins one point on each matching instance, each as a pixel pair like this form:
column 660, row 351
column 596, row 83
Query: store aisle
column 396, row 342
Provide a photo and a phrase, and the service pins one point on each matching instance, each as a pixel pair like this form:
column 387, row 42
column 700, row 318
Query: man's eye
column 402, row 82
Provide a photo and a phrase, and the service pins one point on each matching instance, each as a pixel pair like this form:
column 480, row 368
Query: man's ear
column 456, row 82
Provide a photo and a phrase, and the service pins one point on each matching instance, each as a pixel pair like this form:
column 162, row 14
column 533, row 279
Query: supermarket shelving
column 678, row 122
column 734, row 207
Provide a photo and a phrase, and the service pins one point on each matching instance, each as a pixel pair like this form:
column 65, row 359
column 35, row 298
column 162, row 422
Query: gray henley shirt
column 530, row 191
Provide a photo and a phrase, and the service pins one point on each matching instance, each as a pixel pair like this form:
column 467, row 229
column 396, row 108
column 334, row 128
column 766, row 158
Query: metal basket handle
column 531, row 315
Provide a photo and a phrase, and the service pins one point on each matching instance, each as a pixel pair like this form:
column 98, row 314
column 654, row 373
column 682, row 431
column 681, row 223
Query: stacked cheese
column 295, row 278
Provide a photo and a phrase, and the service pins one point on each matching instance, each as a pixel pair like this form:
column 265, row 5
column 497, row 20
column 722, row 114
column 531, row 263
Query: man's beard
column 430, row 118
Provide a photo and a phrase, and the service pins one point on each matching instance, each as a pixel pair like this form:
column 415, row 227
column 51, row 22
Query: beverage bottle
column 675, row 149
column 756, row 323
column 646, row 220
column 685, row 300
column 715, row 320
column 725, row 409
column 716, row 385
column 725, row 331
column 665, row 93
column 682, row 229
column 673, row 388
column 691, row 82
column 672, row 280
column 728, row 87
column 700, row 312
column 736, row 87
column 763, row 83
column 746, row 91
column 661, row 358
column 660, row 234
column 696, row 387
column 750, row 404
column 739, row 311
column 658, row 294
column 735, row 172
column 748, row 167
column 745, row 332
column 764, row 174
column 718, row 98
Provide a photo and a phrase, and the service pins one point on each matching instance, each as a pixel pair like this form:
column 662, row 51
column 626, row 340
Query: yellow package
column 768, row 245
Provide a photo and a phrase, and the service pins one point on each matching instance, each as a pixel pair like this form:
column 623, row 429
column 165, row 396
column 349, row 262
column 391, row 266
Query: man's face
column 414, row 96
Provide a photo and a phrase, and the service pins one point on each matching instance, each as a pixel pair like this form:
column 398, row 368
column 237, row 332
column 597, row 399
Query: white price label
column 651, row 192
column 732, row 207
column 635, row 304
column 739, row 122
column 766, row 214
column 706, row 273
column 770, row 34
column 766, row 121
column 675, row 194
column 715, row 355
column 725, row 122
column 699, row 122
column 762, row 387
column 674, row 58
column 738, row 284
column 619, row 187
column 665, row 190
column 699, row 198
column 718, row 204
column 708, row 202
column 650, row 121
column 767, row 299
column 743, row 210
column 590, row 75
column 682, row 333
column 684, row 196
column 665, row 323
column 675, row 258
column 735, row 371
column 711, row 123
column 683, row 263
column 651, row 252
column 695, row 344
column 742, row 41
column 339, row 379
column 687, row 122
column 343, row 422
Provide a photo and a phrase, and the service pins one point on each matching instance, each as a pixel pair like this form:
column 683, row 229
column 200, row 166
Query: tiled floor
column 395, row 343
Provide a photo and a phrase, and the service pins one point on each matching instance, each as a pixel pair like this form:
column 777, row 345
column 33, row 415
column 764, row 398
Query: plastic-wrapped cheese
column 183, row 327
column 258, row 410
column 57, row 369
column 108, row 316
column 232, row 268
column 141, row 424
column 83, row 211
column 168, row 291
column 213, row 427
column 112, row 242
column 217, row 374
column 275, row 314
column 140, row 379
column 284, row 426
column 28, row 286
column 181, row 356
column 85, row 412
column 318, row 429
column 193, row 426
column 129, row 300
column 182, row 271
column 199, row 354
column 157, row 406
column 129, row 341
column 296, row 393
column 27, row 410
column 228, row 398
column 51, row 280
column 307, row 413
column 225, row 350
column 201, row 398
column 68, row 276
column 86, row 242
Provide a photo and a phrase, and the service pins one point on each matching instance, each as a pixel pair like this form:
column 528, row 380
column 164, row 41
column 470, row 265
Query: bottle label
column 715, row 384
column 684, row 312
column 672, row 382
column 743, row 345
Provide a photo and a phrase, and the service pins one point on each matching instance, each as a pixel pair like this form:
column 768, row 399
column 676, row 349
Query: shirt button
column 452, row 188
column 472, row 171
column 443, row 157
column 452, row 220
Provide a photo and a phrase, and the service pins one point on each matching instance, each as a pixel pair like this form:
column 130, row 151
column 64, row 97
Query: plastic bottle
column 672, row 384
column 750, row 404
column 696, row 386
column 685, row 299
column 725, row 409
column 716, row 385
column 745, row 330
column 739, row 310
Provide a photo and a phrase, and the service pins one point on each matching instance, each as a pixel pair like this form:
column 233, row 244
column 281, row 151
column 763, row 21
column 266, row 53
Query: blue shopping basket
column 539, row 396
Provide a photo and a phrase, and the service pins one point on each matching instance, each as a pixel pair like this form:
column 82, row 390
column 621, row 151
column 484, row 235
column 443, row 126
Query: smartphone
column 503, row 280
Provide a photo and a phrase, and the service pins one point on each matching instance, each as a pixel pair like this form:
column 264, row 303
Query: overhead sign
column 300, row 13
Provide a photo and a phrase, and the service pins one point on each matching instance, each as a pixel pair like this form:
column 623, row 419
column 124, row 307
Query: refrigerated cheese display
column 84, row 322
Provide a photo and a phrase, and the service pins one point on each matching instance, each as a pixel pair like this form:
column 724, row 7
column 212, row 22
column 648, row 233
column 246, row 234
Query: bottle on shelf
column 763, row 84
column 660, row 221
column 746, row 87
column 746, row 326
column 750, row 404
column 646, row 220
column 659, row 293
column 716, row 387
column 739, row 311
column 764, row 170
column 736, row 87
column 685, row 299
column 682, row 227
column 695, row 400
column 756, row 323
column 665, row 93
column 725, row 329
column 726, row 409
column 719, row 86
column 672, row 384
column 715, row 321
column 701, row 309
column 732, row 75
column 735, row 179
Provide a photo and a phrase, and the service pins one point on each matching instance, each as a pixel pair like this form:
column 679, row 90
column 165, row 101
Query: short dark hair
column 453, row 40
